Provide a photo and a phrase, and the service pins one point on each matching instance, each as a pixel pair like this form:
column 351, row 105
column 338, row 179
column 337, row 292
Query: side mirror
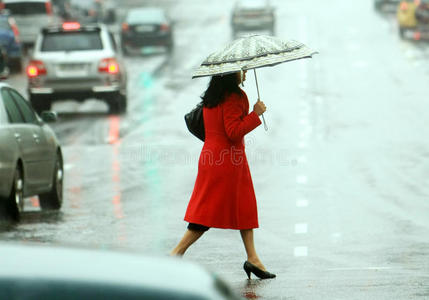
column 49, row 116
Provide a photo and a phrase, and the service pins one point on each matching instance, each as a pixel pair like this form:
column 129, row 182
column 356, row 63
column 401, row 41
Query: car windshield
column 146, row 16
column 26, row 8
column 72, row 41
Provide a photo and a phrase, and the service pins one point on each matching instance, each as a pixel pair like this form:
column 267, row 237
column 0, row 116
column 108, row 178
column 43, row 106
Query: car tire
column 402, row 33
column 14, row 205
column 170, row 47
column 125, row 52
column 118, row 104
column 40, row 104
column 53, row 200
column 16, row 65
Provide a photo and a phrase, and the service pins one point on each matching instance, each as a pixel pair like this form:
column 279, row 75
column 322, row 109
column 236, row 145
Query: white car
column 77, row 62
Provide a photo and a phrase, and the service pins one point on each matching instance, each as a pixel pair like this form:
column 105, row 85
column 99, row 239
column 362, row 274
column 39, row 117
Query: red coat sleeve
column 237, row 124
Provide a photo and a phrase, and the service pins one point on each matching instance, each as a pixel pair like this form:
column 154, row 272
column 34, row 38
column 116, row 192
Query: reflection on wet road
column 340, row 176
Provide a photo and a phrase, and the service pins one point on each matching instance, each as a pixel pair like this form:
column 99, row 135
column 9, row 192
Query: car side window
column 24, row 106
column 12, row 110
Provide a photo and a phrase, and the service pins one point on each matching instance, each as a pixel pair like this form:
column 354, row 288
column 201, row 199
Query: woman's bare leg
column 190, row 237
column 249, row 245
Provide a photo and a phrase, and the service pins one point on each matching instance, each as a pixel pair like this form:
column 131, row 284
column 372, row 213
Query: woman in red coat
column 223, row 195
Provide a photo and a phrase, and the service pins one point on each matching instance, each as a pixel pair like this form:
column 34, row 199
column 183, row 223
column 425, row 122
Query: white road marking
column 302, row 203
column 68, row 167
column 302, row 179
column 301, row 228
column 301, row 251
column 335, row 237
column 319, row 99
column 302, row 159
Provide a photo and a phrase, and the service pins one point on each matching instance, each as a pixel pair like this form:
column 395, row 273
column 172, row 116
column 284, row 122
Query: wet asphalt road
column 341, row 176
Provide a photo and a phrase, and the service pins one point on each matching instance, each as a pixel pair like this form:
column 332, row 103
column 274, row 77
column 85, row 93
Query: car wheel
column 125, row 50
column 402, row 33
column 15, row 203
column 16, row 65
column 54, row 198
column 170, row 48
column 40, row 104
column 118, row 104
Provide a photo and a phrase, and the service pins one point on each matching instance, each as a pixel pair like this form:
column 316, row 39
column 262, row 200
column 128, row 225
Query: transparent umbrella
column 252, row 52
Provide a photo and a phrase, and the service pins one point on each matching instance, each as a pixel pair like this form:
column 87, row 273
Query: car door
column 23, row 135
column 44, row 152
column 8, row 153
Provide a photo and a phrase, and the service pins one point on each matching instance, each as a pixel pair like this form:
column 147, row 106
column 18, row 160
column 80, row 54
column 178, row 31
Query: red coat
column 223, row 195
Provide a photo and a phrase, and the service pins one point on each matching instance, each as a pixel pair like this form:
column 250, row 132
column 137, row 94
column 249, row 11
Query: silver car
column 249, row 15
column 77, row 62
column 31, row 161
column 31, row 16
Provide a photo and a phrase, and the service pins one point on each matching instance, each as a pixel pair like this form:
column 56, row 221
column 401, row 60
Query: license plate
column 72, row 67
column 72, row 70
column 145, row 28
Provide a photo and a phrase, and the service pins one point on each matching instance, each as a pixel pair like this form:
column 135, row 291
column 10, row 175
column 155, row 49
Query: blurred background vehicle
column 92, row 274
column 4, row 69
column 30, row 17
column 31, row 161
column 9, row 41
column 146, row 27
column 386, row 5
column 94, row 11
column 413, row 19
column 251, row 15
column 77, row 62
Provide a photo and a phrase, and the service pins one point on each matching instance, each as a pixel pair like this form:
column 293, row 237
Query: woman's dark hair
column 218, row 88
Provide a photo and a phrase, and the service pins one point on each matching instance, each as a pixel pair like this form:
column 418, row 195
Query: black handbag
column 195, row 121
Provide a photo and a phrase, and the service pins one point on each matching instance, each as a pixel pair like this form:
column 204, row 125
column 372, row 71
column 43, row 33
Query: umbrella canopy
column 252, row 52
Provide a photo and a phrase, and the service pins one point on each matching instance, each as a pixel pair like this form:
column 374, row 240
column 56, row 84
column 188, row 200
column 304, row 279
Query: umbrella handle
column 265, row 124
column 259, row 98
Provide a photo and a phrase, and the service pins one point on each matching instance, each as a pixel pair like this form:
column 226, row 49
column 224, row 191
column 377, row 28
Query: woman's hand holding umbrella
column 259, row 108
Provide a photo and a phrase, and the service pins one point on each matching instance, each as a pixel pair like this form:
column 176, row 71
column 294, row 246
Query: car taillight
column 125, row 27
column 49, row 8
column 403, row 6
column 36, row 68
column 417, row 36
column 109, row 65
column 165, row 27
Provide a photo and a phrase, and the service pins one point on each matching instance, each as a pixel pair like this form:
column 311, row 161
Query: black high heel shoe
column 250, row 268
